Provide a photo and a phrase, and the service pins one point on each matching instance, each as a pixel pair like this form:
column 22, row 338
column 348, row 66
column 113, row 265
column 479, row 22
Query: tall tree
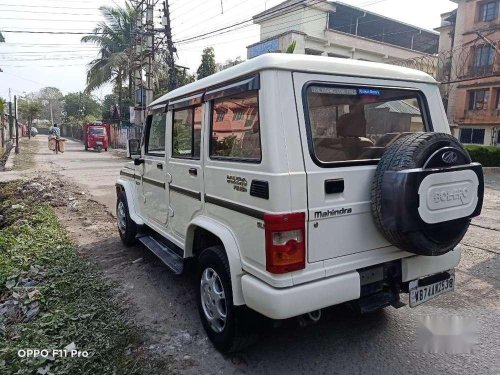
column 113, row 37
column 229, row 63
column 30, row 110
column 208, row 65
column 2, row 105
column 78, row 104
column 52, row 103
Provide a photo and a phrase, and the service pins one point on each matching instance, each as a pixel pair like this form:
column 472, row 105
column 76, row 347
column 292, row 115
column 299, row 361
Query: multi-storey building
column 468, row 52
column 329, row 28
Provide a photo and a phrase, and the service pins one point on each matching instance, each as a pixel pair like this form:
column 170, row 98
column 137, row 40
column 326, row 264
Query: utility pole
column 172, row 77
column 149, row 54
column 11, row 121
column 16, row 124
column 137, row 60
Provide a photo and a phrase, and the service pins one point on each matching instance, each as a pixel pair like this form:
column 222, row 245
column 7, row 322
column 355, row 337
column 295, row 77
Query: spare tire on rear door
column 424, row 193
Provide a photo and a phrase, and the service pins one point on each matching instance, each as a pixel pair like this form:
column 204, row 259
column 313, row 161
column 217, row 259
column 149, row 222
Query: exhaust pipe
column 310, row 318
column 314, row 316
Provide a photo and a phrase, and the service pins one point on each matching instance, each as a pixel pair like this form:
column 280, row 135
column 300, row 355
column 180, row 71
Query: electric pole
column 16, row 124
column 172, row 76
column 149, row 54
column 11, row 122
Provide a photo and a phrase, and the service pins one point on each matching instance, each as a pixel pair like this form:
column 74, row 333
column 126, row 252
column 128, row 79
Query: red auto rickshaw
column 96, row 136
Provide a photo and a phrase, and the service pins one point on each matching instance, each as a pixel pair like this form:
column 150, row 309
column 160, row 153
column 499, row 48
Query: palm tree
column 114, row 38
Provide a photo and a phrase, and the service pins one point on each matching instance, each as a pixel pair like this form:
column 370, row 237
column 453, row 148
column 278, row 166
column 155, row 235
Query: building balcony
column 480, row 116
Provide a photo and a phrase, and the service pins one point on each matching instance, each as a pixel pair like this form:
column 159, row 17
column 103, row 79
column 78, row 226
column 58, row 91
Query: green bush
column 488, row 156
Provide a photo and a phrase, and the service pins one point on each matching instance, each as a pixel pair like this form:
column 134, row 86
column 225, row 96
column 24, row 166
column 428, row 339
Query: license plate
column 99, row 143
column 421, row 294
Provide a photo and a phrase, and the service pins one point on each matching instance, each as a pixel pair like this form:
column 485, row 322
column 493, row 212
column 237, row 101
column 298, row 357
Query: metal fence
column 120, row 134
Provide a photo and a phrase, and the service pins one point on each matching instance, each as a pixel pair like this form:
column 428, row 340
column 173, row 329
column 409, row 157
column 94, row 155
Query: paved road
column 94, row 171
column 340, row 343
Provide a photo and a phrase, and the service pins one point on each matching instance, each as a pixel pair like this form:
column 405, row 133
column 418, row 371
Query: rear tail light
column 285, row 242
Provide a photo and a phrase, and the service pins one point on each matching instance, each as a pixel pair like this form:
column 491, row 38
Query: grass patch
column 39, row 267
column 26, row 157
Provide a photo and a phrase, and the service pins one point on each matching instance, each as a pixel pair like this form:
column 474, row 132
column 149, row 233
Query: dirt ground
column 341, row 342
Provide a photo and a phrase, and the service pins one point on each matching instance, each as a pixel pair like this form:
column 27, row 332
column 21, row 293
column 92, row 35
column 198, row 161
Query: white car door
column 184, row 163
column 154, row 187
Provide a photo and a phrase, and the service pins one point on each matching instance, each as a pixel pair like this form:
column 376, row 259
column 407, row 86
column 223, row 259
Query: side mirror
column 134, row 149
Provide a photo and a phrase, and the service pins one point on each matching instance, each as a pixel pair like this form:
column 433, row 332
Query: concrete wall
column 311, row 20
column 458, row 104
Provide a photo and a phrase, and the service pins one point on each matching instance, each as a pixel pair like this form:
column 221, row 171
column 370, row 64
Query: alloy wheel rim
column 213, row 299
column 122, row 217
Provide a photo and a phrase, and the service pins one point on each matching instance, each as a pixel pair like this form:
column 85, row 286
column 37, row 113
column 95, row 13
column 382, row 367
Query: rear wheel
column 126, row 226
column 230, row 328
column 86, row 148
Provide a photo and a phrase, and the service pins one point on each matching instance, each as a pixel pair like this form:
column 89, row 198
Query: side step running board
column 171, row 259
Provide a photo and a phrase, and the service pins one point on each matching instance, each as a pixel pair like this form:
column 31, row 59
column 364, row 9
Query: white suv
column 300, row 182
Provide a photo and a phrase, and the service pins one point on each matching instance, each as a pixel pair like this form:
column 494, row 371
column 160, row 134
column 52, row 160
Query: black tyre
column 417, row 151
column 126, row 226
column 106, row 149
column 86, row 148
column 230, row 328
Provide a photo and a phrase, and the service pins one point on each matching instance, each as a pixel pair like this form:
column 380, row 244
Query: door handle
column 159, row 166
column 193, row 171
column 335, row 186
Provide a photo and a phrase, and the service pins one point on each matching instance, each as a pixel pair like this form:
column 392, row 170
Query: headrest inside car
column 352, row 125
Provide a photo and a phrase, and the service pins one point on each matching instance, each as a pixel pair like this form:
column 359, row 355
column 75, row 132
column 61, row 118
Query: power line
column 42, row 66
column 45, row 19
column 47, row 7
column 51, row 32
column 193, row 20
column 280, row 10
column 42, row 12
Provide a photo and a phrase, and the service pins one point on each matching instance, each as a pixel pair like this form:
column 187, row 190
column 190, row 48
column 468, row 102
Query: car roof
column 300, row 63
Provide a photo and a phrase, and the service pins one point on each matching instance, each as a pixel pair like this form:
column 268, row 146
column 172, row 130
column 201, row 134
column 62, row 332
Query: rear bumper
column 283, row 303
column 288, row 302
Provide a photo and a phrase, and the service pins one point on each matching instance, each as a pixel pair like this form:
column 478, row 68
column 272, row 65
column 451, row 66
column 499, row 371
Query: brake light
column 285, row 242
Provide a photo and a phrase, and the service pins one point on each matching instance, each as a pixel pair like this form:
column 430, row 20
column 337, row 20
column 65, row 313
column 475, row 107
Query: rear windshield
column 349, row 123
column 97, row 131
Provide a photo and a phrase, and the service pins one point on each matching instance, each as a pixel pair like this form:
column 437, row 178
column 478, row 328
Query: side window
column 357, row 123
column 235, row 128
column 155, row 142
column 186, row 133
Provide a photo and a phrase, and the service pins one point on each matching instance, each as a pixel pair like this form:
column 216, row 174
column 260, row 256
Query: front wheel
column 126, row 226
column 229, row 327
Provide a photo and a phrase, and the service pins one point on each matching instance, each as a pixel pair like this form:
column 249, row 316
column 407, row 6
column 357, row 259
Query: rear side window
column 156, row 134
column 349, row 123
column 186, row 133
column 235, row 132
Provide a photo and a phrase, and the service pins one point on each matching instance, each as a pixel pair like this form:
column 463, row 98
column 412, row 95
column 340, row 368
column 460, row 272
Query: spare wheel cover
column 425, row 191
